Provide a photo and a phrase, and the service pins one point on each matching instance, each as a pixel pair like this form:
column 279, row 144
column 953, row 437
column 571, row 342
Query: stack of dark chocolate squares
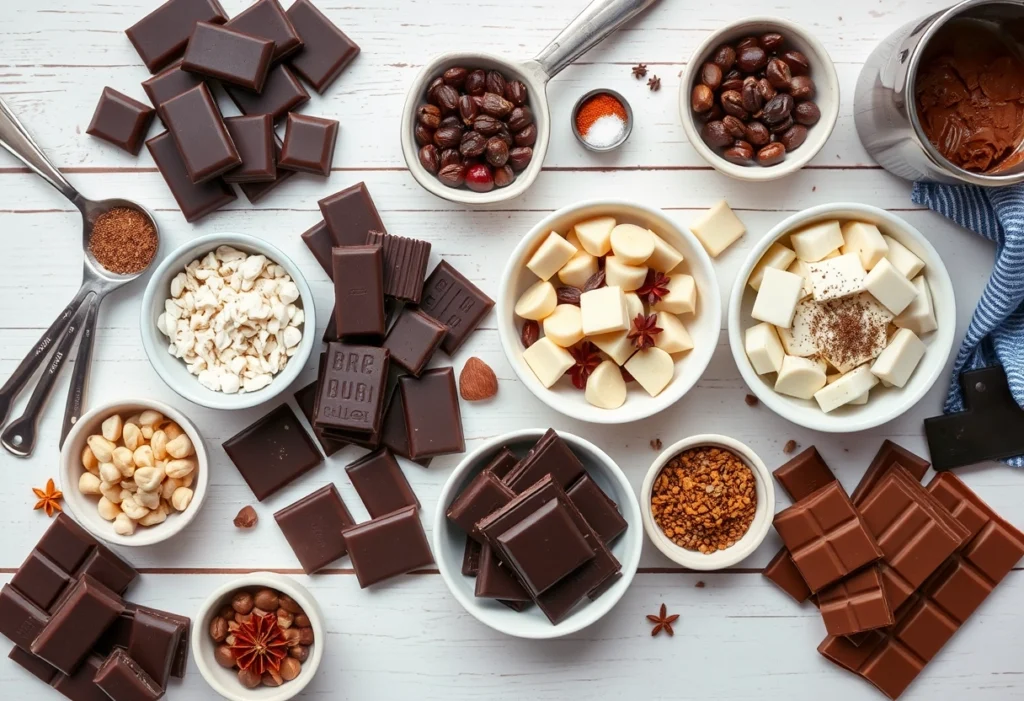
column 538, row 530
column 255, row 57
column 70, row 627
column 895, row 568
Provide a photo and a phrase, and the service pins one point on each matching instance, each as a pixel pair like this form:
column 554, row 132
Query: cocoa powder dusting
column 848, row 331
column 123, row 240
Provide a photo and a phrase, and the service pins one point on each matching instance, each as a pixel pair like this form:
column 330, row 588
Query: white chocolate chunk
column 800, row 377
column 763, row 348
column 681, row 297
column 605, row 387
column 837, row 277
column 777, row 256
column 866, row 241
column 890, row 287
column 596, row 235
column 846, row 389
column 572, row 238
column 633, row 306
column 578, row 270
column 776, row 300
column 553, row 253
column 902, row 258
column 896, row 363
column 539, row 300
column 632, row 244
column 620, row 274
column 665, row 258
column 799, row 267
column 862, row 399
column 717, row 229
column 799, row 338
column 604, row 311
column 816, row 241
column 616, row 346
column 919, row 316
column 564, row 326
column 548, row 361
column 674, row 338
column 652, row 368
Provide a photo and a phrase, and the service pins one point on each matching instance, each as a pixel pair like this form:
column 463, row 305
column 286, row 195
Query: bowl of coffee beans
column 759, row 98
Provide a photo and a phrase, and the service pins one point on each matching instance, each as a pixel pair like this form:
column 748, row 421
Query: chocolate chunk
column 194, row 121
column 352, row 390
column 40, row 580
column 161, row 36
column 170, row 82
column 597, row 508
column 254, row 192
column 254, row 139
column 782, row 572
column 282, row 92
column 394, row 433
column 122, row 679
column 72, row 630
column 306, row 399
column 484, row 495
column 320, row 243
column 432, row 416
column 495, row 581
column 66, row 543
column 888, row 454
column 413, row 339
column 551, row 455
column 20, row 619
column 470, row 559
column 381, row 484
column 309, row 144
column 804, row 474
column 358, row 291
column 351, row 215
column 387, row 546
column 455, row 302
column 153, row 644
column 326, row 49
column 405, row 265
column 855, row 604
column 44, row 671
column 313, row 526
column 120, row 120
column 80, row 685
column 267, row 19
column 230, row 56
column 502, row 463
column 108, row 569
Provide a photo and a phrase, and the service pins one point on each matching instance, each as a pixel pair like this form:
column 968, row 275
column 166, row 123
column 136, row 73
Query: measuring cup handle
column 597, row 21
column 80, row 373
column 20, row 436
column 16, row 139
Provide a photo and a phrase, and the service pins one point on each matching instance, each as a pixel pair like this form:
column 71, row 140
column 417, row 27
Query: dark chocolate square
column 309, row 144
column 405, row 265
column 351, row 215
column 40, row 579
column 433, row 418
column 121, row 121
column 120, row 677
column 359, row 292
column 597, row 508
column 282, row 93
column 321, row 243
column 255, row 192
column 195, row 201
column 168, row 83
column 108, row 569
column 484, row 495
column 273, row 452
column 80, row 685
column 495, row 581
column 551, row 455
column 413, row 338
column 161, row 36
column 452, row 299
column 393, row 432
column 502, row 464
column 352, row 393
column 381, row 484
column 387, row 546
column 43, row 671
column 313, row 527
column 470, row 558
column 153, row 644
column 20, row 619
column 267, row 19
column 227, row 55
column 195, row 122
column 254, row 139
column 326, row 49
column 88, row 610
column 66, row 543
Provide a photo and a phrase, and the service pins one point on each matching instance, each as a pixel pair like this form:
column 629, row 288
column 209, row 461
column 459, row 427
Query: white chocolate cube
column 652, row 368
column 674, row 338
column 763, row 348
column 776, row 300
column 605, row 387
column 596, row 235
column 633, row 306
column 817, row 241
column 777, row 256
column 564, row 326
column 717, row 229
column 665, row 259
column 799, row 338
column 548, row 361
column 539, row 300
column 681, row 297
column 919, row 316
column 799, row 267
column 572, row 238
column 897, row 362
column 862, row 399
column 632, row 244
column 553, row 253
column 902, row 258
column 866, row 241
column 616, row 346
column 578, row 270
column 888, row 286
column 837, row 277
column 604, row 311
column 846, row 389
column 800, row 377
column 621, row 274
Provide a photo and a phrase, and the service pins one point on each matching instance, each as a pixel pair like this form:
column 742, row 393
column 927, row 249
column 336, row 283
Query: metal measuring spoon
column 78, row 318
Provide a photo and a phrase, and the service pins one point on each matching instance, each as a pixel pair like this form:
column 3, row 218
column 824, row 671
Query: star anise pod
column 662, row 622
column 655, row 287
column 49, row 499
column 654, row 84
column 587, row 358
column 645, row 328
column 639, row 70
column 260, row 644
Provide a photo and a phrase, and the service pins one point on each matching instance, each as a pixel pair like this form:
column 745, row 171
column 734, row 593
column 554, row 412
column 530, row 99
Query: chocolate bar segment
column 108, row 569
column 433, row 418
column 551, row 455
column 309, row 144
column 455, row 302
column 230, row 56
column 394, row 434
column 326, row 49
column 320, row 243
column 80, row 685
column 470, row 559
column 405, row 265
column 120, row 120
column 495, row 581
column 353, row 387
column 282, row 92
column 387, row 546
column 358, row 290
column 484, row 495
column 43, row 671
column 782, row 572
column 855, row 604
column 122, row 679
column 381, row 484
column 195, row 201
column 255, row 192
column 168, row 83
column 597, row 508
column 306, row 399
column 40, row 579
column 66, row 543
column 313, row 526
column 20, row 619
column 413, row 338
column 161, row 36
column 267, row 19
column 804, row 474
column 88, row 610
column 153, row 644
column 195, row 123
column 254, row 139
column 888, row 454
column 502, row 464
column 351, row 215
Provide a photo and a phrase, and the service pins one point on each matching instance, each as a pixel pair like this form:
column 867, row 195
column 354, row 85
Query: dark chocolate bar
column 413, row 338
column 321, row 243
column 309, row 144
column 282, row 92
column 122, row 679
column 387, row 546
column 120, row 120
column 484, row 495
column 230, row 56
column 405, row 265
column 194, row 121
column 268, row 20
column 456, row 302
column 313, row 526
column 352, row 391
column 195, row 201
column 597, row 508
column 381, row 484
column 326, row 49
column 254, row 192
column 254, row 139
column 433, row 418
column 358, row 291
column 351, row 215
column 161, row 36
column 551, row 455
column 88, row 610
column 168, row 83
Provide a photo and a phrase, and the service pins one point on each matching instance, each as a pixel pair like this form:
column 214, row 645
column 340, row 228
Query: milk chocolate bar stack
column 895, row 568
column 71, row 628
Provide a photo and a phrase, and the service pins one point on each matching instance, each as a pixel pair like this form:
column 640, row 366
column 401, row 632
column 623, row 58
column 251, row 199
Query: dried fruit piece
column 531, row 333
column 594, row 282
column 477, row 381
column 568, row 295
column 246, row 518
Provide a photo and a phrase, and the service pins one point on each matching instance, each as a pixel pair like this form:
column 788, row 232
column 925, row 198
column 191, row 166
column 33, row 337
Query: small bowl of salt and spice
column 602, row 120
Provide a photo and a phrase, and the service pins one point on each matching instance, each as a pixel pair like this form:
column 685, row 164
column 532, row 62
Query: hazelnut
column 272, row 678
column 290, row 668
column 285, row 619
column 299, row 652
column 242, row 602
column 302, row 621
column 249, row 679
column 305, row 636
column 224, row 656
column 218, row 629
column 288, row 604
column 291, row 636
column 266, row 599
column 242, row 618
column 227, row 612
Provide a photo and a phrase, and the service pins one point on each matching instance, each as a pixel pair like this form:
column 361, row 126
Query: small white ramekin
column 763, row 514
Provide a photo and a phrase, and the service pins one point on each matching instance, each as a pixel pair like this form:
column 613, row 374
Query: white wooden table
column 738, row 637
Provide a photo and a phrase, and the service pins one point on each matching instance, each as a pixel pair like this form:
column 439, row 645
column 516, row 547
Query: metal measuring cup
column 77, row 319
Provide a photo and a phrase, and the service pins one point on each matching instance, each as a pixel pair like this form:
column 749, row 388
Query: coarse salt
column 605, row 131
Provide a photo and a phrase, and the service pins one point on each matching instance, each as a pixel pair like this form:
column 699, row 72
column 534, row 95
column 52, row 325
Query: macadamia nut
column 180, row 447
column 89, row 483
column 101, row 447
column 111, row 428
column 108, row 510
column 181, row 498
column 123, row 525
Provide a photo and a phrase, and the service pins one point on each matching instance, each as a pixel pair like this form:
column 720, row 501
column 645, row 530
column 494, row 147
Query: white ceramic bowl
column 450, row 541
column 225, row 681
column 763, row 515
column 83, row 506
column 826, row 84
column 885, row 404
column 172, row 370
column 704, row 325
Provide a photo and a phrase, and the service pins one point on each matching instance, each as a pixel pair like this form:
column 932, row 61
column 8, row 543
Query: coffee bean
column 447, row 99
column 751, row 59
column 765, row 89
column 777, row 109
column 452, row 120
column 476, row 83
column 527, row 136
column 771, row 42
column 740, row 153
column 504, row 176
column 757, row 134
column 453, row 175
column 702, row 99
column 778, row 74
column 714, row 113
column 752, row 100
column 495, row 105
column 771, row 154
column 724, row 57
column 455, row 76
column 473, row 144
column 733, row 80
column 487, row 125
column 448, row 137
column 496, row 152
column 468, row 111
column 429, row 116
column 781, row 126
column 734, row 126
column 449, row 156
column 797, row 62
column 515, row 92
column 746, row 43
column 423, row 135
column 520, row 157
column 716, row 135
column 711, row 75
column 495, row 83
column 794, row 137
column 430, row 158
column 520, row 118
column 732, row 103
column 802, row 88
column 806, row 113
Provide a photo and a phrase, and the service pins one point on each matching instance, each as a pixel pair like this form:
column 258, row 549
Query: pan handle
column 599, row 19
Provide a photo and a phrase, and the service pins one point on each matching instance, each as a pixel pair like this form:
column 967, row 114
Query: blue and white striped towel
column 996, row 333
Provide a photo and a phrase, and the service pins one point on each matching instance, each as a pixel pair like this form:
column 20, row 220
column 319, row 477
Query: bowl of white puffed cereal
column 228, row 321
column 134, row 472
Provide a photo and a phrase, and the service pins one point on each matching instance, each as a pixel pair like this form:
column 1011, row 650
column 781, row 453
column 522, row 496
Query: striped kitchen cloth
column 996, row 333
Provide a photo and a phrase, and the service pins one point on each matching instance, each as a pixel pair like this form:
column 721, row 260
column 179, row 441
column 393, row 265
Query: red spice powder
column 601, row 105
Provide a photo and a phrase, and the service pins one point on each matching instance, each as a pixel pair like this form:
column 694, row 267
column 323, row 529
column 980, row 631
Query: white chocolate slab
column 717, row 229
column 596, row 235
column 664, row 259
column 902, row 258
column 681, row 297
column 674, row 338
column 866, row 241
column 554, row 252
column 897, row 362
column 632, row 244
column 799, row 377
column 799, row 267
column 564, row 326
column 919, row 316
column 539, row 300
column 548, row 361
column 579, row 269
column 890, row 287
column 652, row 368
column 621, row 274
column 763, row 348
column 616, row 346
column 862, row 399
column 777, row 256
column 835, row 278
column 846, row 389
column 777, row 298
column 604, row 311
column 605, row 387
column 799, row 339
column 817, row 241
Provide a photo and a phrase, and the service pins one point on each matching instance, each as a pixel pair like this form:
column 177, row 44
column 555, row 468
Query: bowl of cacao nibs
column 259, row 637
column 759, row 98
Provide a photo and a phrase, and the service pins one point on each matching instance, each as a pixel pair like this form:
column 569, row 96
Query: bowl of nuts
column 759, row 98
column 707, row 502
column 134, row 472
column 259, row 637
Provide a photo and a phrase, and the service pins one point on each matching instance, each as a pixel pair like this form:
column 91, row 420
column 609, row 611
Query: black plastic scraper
column 991, row 427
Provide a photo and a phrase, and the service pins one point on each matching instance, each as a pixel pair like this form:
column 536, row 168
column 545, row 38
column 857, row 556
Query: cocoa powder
column 123, row 240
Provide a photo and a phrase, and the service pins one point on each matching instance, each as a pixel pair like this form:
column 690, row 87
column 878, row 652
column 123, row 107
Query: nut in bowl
column 700, row 476
column 842, row 317
column 135, row 472
column 609, row 311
